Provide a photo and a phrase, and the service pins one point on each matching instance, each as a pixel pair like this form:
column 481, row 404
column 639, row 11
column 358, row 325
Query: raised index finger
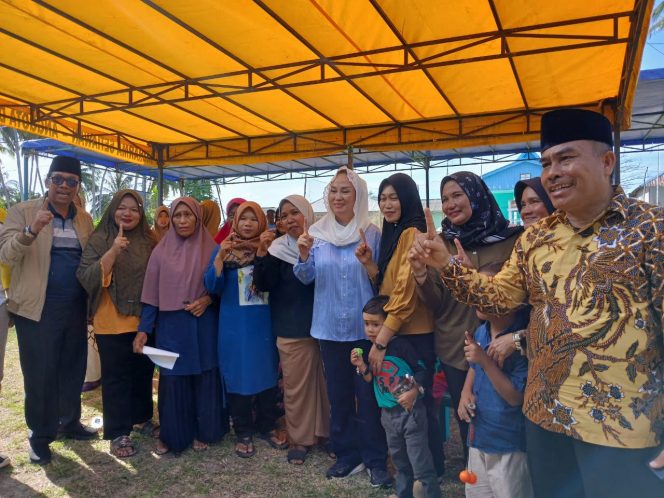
column 121, row 232
column 363, row 237
column 431, row 227
column 44, row 205
column 306, row 228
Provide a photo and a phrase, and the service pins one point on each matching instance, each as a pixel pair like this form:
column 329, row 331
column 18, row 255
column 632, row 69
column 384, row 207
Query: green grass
column 85, row 469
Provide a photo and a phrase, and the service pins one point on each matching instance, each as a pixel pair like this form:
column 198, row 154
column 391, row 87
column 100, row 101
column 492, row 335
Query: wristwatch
column 516, row 337
column 28, row 232
column 379, row 346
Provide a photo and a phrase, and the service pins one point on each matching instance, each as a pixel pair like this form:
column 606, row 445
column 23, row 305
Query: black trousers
column 242, row 409
column 424, row 346
column 126, row 384
column 563, row 467
column 455, row 381
column 355, row 429
column 191, row 407
column 53, row 354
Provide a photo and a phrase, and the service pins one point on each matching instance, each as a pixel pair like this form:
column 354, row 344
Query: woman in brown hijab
column 247, row 347
column 211, row 216
column 112, row 268
column 162, row 222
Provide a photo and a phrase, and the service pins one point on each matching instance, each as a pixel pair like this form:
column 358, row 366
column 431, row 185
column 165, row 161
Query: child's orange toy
column 468, row 477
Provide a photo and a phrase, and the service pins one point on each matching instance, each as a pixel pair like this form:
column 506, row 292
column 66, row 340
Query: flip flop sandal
column 246, row 441
column 200, row 447
column 327, row 448
column 297, row 456
column 161, row 450
column 270, row 437
column 120, row 443
column 147, row 429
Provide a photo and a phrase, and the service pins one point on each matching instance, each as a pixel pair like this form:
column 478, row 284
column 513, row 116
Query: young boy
column 398, row 391
column 491, row 402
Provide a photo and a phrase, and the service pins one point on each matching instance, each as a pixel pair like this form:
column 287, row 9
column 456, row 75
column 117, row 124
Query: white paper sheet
column 161, row 357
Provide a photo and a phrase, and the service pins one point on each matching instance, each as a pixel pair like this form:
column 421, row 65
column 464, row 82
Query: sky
column 641, row 165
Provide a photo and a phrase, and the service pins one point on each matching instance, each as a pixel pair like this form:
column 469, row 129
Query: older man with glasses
column 42, row 242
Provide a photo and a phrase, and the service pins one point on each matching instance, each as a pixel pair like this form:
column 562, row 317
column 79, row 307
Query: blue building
column 501, row 182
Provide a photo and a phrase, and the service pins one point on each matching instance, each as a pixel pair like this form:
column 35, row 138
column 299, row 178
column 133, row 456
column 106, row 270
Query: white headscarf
column 328, row 229
column 285, row 247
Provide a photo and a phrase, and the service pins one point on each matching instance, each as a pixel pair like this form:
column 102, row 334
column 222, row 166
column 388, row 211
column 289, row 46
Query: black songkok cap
column 65, row 164
column 567, row 125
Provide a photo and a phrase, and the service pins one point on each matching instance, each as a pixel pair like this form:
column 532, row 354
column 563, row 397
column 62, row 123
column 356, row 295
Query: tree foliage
column 657, row 20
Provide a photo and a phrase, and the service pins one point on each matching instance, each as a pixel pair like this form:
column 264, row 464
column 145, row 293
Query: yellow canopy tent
column 168, row 83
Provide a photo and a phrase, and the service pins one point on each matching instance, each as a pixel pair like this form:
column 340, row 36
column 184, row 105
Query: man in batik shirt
column 593, row 272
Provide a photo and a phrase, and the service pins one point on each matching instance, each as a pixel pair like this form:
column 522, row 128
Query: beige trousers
column 502, row 475
column 305, row 394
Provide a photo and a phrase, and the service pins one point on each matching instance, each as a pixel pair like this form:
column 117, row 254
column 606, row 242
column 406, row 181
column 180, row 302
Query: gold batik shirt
column 595, row 345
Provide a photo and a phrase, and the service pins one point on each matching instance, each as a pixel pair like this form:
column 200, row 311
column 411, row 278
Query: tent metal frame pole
column 616, row 151
column 617, row 120
column 26, row 182
column 160, row 185
column 427, row 165
column 160, row 173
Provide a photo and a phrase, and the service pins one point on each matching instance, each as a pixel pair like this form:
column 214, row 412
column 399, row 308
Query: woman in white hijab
column 291, row 307
column 341, row 288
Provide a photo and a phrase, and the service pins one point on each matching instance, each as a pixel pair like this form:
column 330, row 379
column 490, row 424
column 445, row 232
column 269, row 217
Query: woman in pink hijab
column 226, row 228
column 178, row 308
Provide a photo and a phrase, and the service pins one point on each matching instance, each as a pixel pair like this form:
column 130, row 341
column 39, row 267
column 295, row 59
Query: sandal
column 272, row 438
column 199, row 446
column 161, row 449
column 326, row 446
column 121, row 443
column 248, row 443
column 147, row 429
column 297, row 455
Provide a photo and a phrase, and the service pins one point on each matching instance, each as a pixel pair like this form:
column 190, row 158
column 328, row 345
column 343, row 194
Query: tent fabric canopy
column 646, row 133
column 171, row 83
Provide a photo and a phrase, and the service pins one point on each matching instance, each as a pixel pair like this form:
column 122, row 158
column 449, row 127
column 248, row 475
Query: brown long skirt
column 305, row 394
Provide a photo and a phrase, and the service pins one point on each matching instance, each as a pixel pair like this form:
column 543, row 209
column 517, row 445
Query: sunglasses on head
column 59, row 180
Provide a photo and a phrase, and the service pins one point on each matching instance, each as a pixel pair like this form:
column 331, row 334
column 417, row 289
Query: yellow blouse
column 107, row 320
column 406, row 313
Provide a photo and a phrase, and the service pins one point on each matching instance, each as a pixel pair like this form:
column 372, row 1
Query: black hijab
column 536, row 185
column 412, row 215
column 486, row 225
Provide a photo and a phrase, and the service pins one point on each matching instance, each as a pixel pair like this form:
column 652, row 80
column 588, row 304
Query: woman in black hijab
column 474, row 222
column 486, row 224
column 532, row 201
column 533, row 204
column 403, row 217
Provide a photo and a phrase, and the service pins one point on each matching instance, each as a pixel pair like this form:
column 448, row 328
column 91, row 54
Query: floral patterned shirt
column 595, row 342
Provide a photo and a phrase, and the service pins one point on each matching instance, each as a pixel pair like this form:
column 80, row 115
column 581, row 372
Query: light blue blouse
column 342, row 287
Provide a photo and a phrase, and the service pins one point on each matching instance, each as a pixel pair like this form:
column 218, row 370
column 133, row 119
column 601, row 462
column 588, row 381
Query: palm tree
column 111, row 182
column 13, row 139
column 657, row 20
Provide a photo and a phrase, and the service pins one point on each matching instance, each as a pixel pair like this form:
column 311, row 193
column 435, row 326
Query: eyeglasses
column 59, row 180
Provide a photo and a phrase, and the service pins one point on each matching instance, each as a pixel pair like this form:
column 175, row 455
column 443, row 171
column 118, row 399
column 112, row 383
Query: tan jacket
column 453, row 318
column 30, row 259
